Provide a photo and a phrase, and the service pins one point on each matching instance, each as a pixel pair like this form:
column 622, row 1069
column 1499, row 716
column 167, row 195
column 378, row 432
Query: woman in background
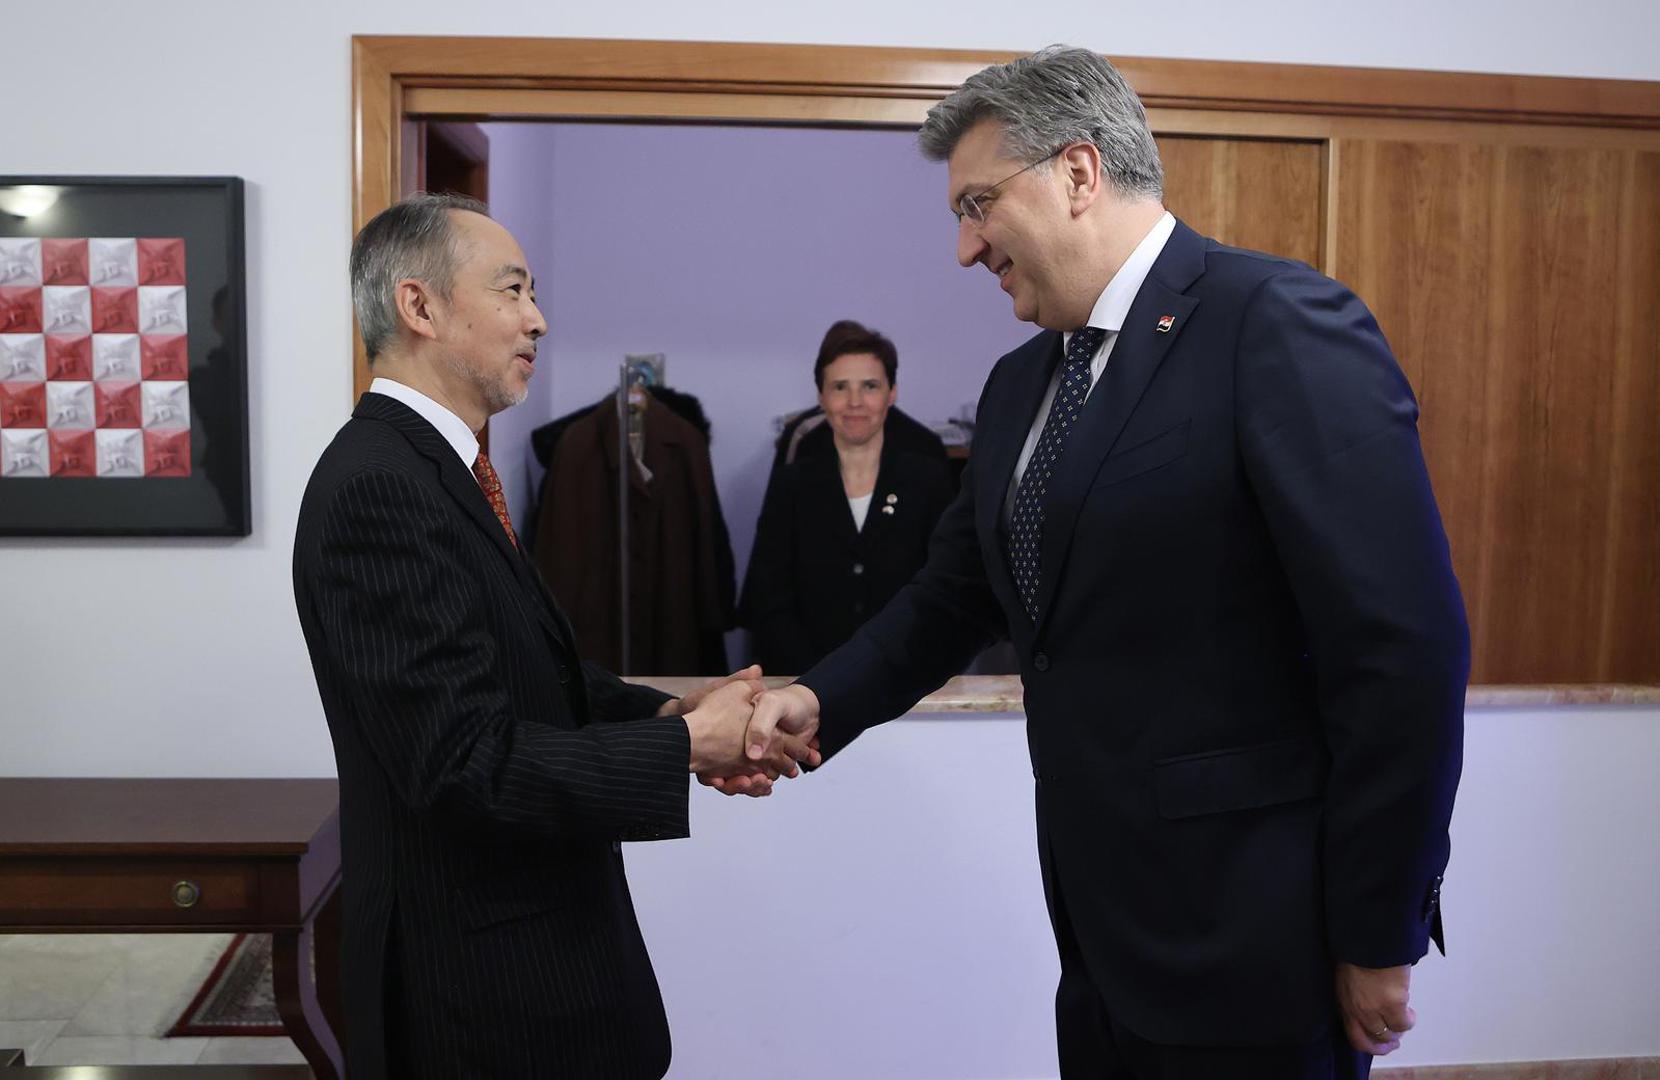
column 840, row 533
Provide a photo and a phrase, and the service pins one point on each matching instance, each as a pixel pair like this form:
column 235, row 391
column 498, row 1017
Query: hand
column 1374, row 1006
column 681, row 705
column 717, row 728
column 746, row 781
column 789, row 710
column 784, row 719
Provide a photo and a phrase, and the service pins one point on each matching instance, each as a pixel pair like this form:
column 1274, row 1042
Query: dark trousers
column 1094, row 1046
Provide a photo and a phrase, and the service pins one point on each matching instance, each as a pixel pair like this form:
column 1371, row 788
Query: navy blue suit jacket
column 1245, row 685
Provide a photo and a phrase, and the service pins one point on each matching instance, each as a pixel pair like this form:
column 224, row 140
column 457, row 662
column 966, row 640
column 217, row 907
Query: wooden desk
column 172, row 856
column 155, row 1072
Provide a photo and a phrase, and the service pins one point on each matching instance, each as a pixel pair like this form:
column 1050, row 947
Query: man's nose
column 970, row 245
column 538, row 325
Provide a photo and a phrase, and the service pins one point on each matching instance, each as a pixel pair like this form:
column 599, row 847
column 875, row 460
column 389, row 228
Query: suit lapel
column 997, row 449
column 458, row 481
column 1140, row 348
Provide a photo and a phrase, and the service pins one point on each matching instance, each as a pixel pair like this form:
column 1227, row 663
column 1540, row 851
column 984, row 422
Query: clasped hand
column 743, row 739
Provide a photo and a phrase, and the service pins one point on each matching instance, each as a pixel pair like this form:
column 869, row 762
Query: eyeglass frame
column 969, row 204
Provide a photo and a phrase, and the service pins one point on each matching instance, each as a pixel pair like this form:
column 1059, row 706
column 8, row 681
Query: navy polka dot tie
column 1026, row 521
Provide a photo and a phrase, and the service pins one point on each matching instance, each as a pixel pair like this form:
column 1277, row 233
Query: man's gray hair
column 410, row 239
column 1050, row 99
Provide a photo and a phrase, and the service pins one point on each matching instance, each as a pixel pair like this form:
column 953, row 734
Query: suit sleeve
column 611, row 700
column 405, row 621
column 1328, row 433
column 771, row 599
column 929, row 631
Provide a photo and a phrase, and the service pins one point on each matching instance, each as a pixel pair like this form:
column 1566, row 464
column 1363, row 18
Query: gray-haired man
column 486, row 772
column 1197, row 506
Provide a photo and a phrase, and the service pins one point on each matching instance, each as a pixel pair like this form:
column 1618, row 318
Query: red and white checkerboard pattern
column 94, row 357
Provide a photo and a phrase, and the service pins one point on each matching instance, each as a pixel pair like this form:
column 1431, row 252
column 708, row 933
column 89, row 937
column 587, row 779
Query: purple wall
column 519, row 166
column 732, row 249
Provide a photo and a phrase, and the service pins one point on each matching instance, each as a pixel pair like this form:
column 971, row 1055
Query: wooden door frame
column 832, row 85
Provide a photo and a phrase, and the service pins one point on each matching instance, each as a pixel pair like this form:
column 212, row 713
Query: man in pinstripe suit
column 487, row 774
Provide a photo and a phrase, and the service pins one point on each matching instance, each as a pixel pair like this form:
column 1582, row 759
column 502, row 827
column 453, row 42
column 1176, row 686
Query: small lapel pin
column 1165, row 323
column 887, row 509
column 892, row 499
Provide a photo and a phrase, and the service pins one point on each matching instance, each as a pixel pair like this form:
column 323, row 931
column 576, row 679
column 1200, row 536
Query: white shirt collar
column 1120, row 292
column 454, row 429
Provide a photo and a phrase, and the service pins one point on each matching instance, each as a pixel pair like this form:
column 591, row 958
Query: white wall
column 184, row 657
column 891, row 904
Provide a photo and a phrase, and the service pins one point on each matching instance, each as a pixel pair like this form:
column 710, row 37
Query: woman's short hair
column 847, row 337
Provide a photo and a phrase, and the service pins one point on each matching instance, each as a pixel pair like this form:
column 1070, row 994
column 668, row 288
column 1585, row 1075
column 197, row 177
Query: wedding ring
column 1380, row 1034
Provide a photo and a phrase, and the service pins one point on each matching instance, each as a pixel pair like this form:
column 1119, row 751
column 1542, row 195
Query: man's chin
column 506, row 398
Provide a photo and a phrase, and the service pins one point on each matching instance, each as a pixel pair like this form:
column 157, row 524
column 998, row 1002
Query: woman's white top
column 860, row 507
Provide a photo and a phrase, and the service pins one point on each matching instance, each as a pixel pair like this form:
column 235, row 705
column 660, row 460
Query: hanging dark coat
column 680, row 599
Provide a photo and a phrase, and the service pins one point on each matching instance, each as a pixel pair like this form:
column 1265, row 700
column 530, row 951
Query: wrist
column 698, row 731
column 806, row 695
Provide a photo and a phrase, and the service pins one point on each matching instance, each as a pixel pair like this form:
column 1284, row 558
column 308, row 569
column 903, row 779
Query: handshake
column 745, row 736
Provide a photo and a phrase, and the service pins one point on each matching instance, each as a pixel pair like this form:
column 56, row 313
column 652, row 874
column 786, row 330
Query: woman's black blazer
column 812, row 578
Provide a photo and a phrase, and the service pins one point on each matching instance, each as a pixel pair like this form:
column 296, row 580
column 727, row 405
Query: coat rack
column 638, row 371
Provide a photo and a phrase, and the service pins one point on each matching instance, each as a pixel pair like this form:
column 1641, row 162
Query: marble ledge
column 1586, row 1069
column 1004, row 694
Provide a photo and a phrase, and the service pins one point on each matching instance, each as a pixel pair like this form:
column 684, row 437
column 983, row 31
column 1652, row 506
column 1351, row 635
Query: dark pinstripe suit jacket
column 485, row 776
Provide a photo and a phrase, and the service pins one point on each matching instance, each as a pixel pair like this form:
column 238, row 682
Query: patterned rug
column 237, row 998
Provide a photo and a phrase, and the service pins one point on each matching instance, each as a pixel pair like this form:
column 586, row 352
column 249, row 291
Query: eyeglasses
column 973, row 207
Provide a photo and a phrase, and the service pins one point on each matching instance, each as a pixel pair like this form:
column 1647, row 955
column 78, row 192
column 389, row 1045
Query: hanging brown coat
column 680, row 602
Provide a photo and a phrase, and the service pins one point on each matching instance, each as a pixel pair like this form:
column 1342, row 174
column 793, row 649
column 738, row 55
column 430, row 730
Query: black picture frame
column 212, row 496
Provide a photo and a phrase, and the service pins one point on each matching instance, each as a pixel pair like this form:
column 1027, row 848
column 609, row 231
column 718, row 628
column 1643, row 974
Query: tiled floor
column 106, row 999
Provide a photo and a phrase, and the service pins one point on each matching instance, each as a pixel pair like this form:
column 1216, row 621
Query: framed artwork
column 123, row 357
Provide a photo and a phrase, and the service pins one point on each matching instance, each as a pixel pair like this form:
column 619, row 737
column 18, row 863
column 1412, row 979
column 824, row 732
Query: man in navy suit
column 1198, row 507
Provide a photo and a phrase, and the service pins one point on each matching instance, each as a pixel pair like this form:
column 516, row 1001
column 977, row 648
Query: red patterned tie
column 491, row 483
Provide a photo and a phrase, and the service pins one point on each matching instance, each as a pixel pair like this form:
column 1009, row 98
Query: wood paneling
column 1263, row 194
column 1413, row 224
column 1630, row 600
column 1508, row 282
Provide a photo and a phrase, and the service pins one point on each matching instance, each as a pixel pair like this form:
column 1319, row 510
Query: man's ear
column 1081, row 169
column 415, row 304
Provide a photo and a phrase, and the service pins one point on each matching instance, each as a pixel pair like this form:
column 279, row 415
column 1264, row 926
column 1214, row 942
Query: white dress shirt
column 1107, row 315
column 454, row 429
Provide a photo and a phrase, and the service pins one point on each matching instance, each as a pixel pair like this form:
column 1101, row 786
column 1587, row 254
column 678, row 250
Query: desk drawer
column 139, row 892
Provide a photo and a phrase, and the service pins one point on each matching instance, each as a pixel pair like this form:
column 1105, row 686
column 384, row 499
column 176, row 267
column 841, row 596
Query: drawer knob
column 186, row 893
